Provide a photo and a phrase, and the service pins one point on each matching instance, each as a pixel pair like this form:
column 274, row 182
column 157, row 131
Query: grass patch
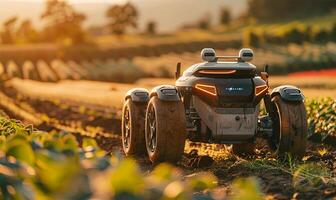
column 305, row 176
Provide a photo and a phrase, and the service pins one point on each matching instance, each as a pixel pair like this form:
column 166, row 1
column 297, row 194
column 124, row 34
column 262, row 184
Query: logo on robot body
column 230, row 89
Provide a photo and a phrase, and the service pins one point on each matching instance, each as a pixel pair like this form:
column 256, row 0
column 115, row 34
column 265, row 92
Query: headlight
column 217, row 72
column 209, row 89
column 260, row 89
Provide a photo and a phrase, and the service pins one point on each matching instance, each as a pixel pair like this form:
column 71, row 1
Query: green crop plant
column 40, row 165
column 322, row 120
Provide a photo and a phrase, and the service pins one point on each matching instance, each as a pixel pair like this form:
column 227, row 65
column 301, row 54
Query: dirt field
column 90, row 109
column 112, row 94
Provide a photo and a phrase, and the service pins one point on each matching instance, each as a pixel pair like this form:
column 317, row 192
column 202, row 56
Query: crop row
column 39, row 165
column 322, row 120
column 294, row 32
column 121, row 71
column 282, row 60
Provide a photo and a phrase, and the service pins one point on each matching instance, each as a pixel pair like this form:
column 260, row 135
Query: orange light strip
column 217, row 71
column 209, row 89
column 260, row 89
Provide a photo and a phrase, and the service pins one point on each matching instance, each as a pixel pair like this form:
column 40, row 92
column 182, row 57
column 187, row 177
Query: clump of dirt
column 192, row 160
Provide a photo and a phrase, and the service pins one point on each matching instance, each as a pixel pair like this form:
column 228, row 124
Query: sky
column 73, row 1
column 169, row 14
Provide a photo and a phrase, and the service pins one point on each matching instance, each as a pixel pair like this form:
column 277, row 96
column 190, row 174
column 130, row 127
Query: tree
column 122, row 17
column 8, row 34
column 63, row 22
column 205, row 22
column 333, row 33
column 151, row 27
column 321, row 36
column 225, row 16
column 27, row 32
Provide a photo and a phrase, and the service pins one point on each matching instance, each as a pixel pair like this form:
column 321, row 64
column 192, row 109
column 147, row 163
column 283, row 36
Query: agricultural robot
column 216, row 101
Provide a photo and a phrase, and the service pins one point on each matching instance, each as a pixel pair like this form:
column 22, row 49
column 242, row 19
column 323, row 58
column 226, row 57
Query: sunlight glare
column 75, row 1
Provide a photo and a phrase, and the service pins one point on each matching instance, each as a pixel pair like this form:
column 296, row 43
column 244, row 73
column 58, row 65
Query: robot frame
column 216, row 101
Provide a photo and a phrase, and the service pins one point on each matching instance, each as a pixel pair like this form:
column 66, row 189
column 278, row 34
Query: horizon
column 72, row 1
column 149, row 10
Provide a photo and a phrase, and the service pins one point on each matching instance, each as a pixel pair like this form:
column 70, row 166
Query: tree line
column 64, row 23
column 291, row 33
column 288, row 9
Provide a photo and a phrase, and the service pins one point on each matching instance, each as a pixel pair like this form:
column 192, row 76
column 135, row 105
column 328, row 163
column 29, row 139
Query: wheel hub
column 127, row 128
column 274, row 139
column 151, row 134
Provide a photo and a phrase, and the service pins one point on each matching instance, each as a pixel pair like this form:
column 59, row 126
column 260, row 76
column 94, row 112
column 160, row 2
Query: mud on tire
column 290, row 127
column 165, row 130
column 133, row 127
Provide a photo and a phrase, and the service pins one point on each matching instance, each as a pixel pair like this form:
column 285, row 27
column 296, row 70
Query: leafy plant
column 38, row 165
column 322, row 120
column 246, row 188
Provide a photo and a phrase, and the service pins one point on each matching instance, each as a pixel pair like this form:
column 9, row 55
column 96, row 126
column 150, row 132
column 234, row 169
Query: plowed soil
column 89, row 119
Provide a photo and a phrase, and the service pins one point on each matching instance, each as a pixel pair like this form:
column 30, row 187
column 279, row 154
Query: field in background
column 73, row 96
column 112, row 58
column 234, row 31
column 112, row 94
column 282, row 60
column 186, row 36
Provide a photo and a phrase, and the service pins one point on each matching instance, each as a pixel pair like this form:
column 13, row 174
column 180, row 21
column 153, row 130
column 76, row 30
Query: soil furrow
column 275, row 177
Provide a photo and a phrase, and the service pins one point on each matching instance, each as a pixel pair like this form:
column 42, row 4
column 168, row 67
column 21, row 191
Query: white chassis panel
column 228, row 123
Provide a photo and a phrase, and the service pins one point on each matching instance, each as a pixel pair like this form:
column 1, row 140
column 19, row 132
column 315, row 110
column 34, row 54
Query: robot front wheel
column 165, row 130
column 157, row 127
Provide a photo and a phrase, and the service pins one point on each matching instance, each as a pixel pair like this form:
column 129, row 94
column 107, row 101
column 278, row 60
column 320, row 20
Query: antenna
column 264, row 75
column 178, row 71
column 266, row 69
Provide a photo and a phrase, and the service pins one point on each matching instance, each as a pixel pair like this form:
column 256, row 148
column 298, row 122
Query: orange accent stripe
column 260, row 89
column 209, row 89
column 217, row 71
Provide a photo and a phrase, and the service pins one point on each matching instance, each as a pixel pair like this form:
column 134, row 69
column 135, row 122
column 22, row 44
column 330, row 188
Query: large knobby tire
column 165, row 130
column 133, row 127
column 289, row 127
column 244, row 148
